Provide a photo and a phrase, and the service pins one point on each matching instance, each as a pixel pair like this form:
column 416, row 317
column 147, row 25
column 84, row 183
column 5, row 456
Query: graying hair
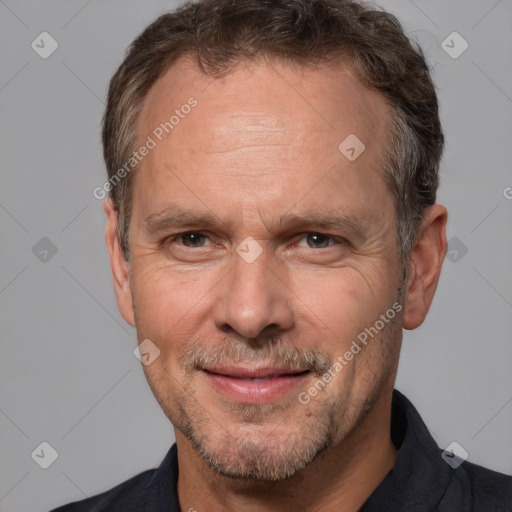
column 219, row 34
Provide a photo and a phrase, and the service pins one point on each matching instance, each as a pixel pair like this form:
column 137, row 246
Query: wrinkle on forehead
column 259, row 101
column 260, row 141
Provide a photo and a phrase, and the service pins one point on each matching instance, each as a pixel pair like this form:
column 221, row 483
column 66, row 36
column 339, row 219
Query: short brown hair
column 221, row 33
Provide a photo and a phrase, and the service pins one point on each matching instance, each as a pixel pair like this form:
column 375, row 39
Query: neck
column 340, row 479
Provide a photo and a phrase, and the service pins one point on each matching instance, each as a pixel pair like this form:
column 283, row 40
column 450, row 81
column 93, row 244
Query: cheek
column 343, row 303
column 167, row 304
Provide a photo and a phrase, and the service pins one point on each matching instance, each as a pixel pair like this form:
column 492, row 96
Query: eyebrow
column 174, row 217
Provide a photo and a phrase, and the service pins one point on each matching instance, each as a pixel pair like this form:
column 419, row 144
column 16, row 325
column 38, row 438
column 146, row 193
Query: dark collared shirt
column 420, row 481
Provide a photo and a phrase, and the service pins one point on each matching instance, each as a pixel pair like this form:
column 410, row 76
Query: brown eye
column 192, row 239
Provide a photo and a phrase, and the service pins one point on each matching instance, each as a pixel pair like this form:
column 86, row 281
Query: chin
column 267, row 452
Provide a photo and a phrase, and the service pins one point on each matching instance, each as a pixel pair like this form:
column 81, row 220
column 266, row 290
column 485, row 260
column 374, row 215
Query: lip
column 257, row 385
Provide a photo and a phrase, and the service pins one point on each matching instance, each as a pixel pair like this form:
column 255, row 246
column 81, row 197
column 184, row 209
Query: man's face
column 246, row 327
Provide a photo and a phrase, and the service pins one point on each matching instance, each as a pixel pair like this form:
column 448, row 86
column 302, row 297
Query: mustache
column 275, row 352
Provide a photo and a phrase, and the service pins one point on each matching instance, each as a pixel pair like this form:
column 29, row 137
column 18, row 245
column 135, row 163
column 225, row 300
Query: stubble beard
column 270, row 442
column 273, row 442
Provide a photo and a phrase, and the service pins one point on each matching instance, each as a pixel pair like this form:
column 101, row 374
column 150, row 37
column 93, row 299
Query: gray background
column 67, row 370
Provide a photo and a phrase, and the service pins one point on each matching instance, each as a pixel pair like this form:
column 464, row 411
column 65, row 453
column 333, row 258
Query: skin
column 262, row 144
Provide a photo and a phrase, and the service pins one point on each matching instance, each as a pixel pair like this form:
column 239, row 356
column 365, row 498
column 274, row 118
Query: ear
column 424, row 266
column 118, row 265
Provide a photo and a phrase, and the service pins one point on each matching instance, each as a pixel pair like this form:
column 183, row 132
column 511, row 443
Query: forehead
column 272, row 130
column 269, row 96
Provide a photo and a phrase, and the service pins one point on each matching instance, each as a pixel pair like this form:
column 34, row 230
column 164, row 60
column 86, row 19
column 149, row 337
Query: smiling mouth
column 265, row 379
column 255, row 385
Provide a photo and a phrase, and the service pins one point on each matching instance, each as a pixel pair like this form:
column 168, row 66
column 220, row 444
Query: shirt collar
column 420, row 477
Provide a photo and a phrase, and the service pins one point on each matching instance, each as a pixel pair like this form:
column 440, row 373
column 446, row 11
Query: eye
column 191, row 239
column 317, row 241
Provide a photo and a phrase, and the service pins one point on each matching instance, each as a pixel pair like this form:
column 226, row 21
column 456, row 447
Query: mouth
column 256, row 385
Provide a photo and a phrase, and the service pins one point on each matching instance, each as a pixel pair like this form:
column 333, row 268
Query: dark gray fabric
column 420, row 481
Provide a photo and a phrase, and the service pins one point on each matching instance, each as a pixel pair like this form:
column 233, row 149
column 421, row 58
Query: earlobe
column 424, row 267
column 119, row 266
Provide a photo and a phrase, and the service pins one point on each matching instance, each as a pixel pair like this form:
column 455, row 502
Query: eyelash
column 303, row 235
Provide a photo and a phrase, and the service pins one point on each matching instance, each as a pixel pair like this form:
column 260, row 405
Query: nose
column 253, row 298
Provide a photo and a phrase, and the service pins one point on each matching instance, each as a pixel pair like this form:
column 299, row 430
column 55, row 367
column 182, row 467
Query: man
column 272, row 227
